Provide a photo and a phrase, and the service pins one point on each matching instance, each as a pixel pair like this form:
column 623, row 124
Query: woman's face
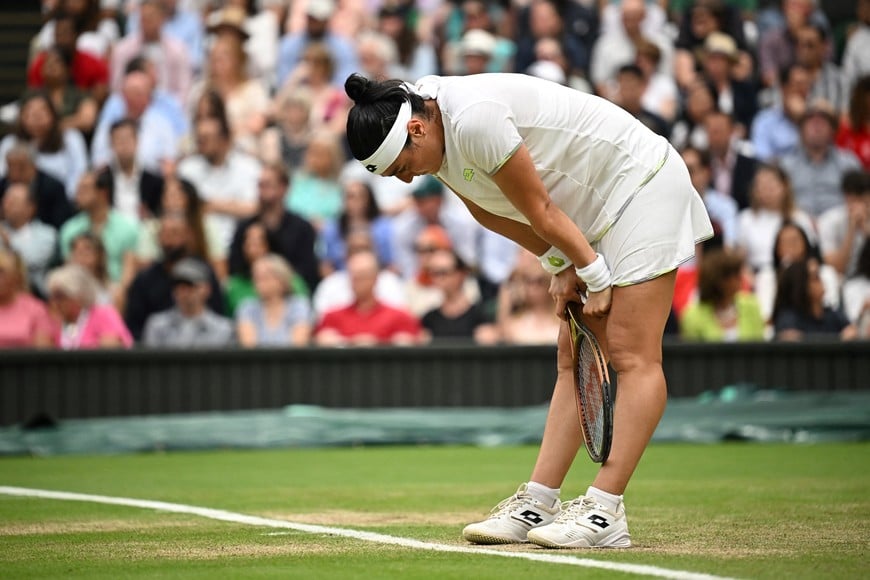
column 224, row 61
column 85, row 254
column 356, row 199
column 174, row 200
column 699, row 102
column 319, row 159
column 67, row 307
column 255, row 245
column 267, row 283
column 769, row 190
column 36, row 118
column 54, row 69
column 790, row 246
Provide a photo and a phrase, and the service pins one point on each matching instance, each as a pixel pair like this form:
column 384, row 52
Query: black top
column 831, row 322
column 460, row 327
column 52, row 205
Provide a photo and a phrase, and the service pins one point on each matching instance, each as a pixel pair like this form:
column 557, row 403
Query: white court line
column 236, row 518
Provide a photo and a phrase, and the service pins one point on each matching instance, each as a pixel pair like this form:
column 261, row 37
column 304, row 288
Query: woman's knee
column 629, row 351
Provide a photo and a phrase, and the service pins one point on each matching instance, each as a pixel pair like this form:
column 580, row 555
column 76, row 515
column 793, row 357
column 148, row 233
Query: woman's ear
column 416, row 128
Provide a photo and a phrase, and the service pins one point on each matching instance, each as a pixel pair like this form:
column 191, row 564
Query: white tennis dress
column 624, row 186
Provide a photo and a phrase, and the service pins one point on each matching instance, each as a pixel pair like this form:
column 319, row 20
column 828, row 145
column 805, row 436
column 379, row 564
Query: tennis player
column 608, row 207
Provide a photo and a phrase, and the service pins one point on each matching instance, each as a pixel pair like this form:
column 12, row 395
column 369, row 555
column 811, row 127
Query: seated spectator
column 404, row 24
column 792, row 245
column 799, row 311
column 817, row 166
column 476, row 50
column 315, row 193
column 335, row 290
column 660, row 96
column 721, row 208
column 735, row 96
column 286, row 141
column 76, row 108
column 88, row 72
column 731, row 159
column 359, row 212
column 277, row 316
column 157, row 141
column 813, row 50
column 526, row 312
column 189, row 324
column 630, row 87
column 20, row 231
column 85, row 324
column 151, row 289
column 689, row 130
column 774, row 131
column 96, row 29
column 60, row 153
column 182, row 23
column 120, row 234
column 856, row 295
column 854, row 132
column 288, row 234
column 366, row 322
column 24, row 319
column 771, row 203
column 456, row 317
column 701, row 19
column 259, row 25
column 87, row 251
column 723, row 312
column 778, row 46
column 225, row 178
column 856, row 56
column 844, row 228
column 53, row 207
column 137, row 190
column 475, row 16
column 574, row 29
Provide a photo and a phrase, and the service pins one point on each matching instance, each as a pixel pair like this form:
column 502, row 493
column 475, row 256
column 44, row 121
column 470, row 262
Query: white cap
column 320, row 9
column 478, row 42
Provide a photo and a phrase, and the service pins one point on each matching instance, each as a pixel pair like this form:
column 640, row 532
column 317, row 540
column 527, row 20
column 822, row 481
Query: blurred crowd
column 176, row 173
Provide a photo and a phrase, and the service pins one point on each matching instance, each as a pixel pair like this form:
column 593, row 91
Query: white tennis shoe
column 584, row 523
column 510, row 521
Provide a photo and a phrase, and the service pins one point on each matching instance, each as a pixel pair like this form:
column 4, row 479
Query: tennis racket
column 591, row 386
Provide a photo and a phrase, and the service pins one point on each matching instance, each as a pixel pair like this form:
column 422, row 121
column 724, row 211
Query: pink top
column 93, row 325
column 23, row 320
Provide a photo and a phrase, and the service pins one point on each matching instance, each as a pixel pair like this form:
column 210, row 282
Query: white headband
column 393, row 143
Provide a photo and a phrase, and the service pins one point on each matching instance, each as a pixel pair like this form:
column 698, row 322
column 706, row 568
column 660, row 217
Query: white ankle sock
column 542, row 493
column 606, row 499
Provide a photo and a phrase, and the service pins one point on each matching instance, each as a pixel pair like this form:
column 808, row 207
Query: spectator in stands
column 660, row 96
column 630, row 87
column 225, row 178
column 771, row 203
column 723, row 312
column 774, row 131
column 792, row 245
column 169, row 55
column 335, row 290
column 329, row 103
column 24, row 320
column 542, row 19
column 151, row 290
column 721, row 207
column 189, row 323
column 359, row 212
column 76, row 108
column 617, row 47
column 182, row 24
column 87, row 250
column 416, row 54
column 88, row 72
column 856, row 54
column 287, row 140
column 263, row 22
column 315, row 192
column 526, row 311
column 475, row 16
column 844, row 228
column 731, row 159
column 277, row 316
column 378, row 56
column 96, row 33
column 85, row 323
column 854, row 132
column 240, row 285
column 53, row 207
column 430, row 208
column 290, row 236
column 720, row 60
column 60, row 153
column 702, row 18
column 245, row 97
column 799, row 311
column 456, row 317
column 293, row 45
column 856, row 294
column 137, row 190
column 476, row 50
column 778, row 47
column 34, row 241
column 812, row 51
column 816, row 168
column 366, row 322
column 689, row 129
column 120, row 234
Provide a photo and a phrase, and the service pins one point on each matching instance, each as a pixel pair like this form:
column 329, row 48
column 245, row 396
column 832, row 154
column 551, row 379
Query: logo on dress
column 468, row 174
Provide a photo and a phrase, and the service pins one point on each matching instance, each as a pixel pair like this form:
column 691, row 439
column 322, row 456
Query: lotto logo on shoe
column 599, row 521
column 529, row 517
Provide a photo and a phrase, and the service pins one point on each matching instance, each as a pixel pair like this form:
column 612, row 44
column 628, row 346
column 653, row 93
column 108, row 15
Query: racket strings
column 592, row 395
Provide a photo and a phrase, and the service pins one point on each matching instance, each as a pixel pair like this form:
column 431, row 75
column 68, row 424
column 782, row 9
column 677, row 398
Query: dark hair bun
column 357, row 88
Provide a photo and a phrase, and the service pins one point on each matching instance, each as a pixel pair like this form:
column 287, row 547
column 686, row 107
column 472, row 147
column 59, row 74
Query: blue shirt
column 292, row 47
column 297, row 310
column 774, row 135
column 335, row 249
column 185, row 26
column 162, row 102
column 723, row 210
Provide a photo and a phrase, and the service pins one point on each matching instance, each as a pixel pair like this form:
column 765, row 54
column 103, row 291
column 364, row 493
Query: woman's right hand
column 598, row 303
column 564, row 289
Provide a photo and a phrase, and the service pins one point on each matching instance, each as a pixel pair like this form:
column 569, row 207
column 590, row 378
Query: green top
column 699, row 321
column 120, row 235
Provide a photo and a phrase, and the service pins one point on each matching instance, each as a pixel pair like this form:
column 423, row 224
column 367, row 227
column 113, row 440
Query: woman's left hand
column 598, row 303
column 564, row 289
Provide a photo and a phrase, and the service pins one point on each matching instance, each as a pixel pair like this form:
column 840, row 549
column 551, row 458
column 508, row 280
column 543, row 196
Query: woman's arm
column 246, row 333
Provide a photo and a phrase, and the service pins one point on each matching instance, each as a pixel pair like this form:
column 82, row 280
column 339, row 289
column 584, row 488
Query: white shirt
column 235, row 180
column 833, row 225
column 127, row 196
column 591, row 155
column 756, row 233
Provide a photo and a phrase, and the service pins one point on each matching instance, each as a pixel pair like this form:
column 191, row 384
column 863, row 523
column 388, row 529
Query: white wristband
column 554, row 260
column 596, row 275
